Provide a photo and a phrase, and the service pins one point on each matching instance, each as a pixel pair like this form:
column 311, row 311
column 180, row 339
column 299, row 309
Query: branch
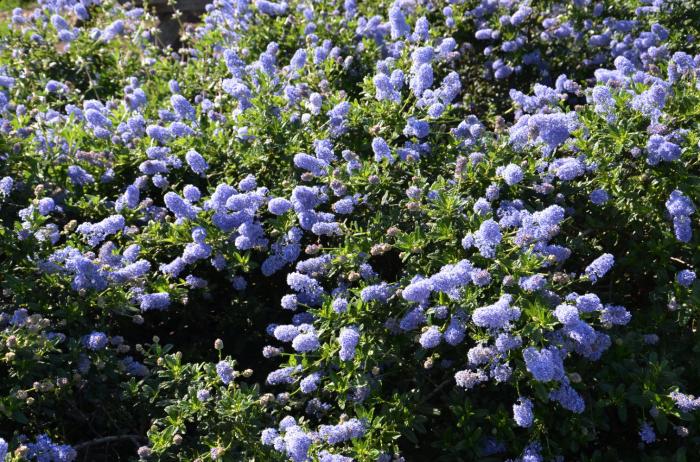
column 436, row 391
column 108, row 439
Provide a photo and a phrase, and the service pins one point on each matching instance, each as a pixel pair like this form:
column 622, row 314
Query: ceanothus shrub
column 335, row 231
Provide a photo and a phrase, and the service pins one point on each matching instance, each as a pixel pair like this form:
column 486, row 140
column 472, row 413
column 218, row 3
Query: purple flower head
column 468, row 379
column 568, row 398
column 309, row 384
column 522, row 413
column 686, row 403
column 417, row 128
column 679, row 205
column 615, row 315
column 196, row 162
column 385, row 89
column 421, row 80
column 381, row 150
column 271, row 8
column 566, row 314
column 512, row 174
column 378, row 292
column 544, row 364
column 348, row 340
column 430, row 338
column 225, row 371
column 179, row 206
column 279, row 206
column 182, row 107
column 599, row 196
column 647, row 434
column 685, row 277
column 567, row 168
column 659, row 149
column 96, row 341
column 340, row 305
column 304, row 343
column 599, row 267
column 155, row 301
column 46, row 206
column 487, row 238
column 496, row 316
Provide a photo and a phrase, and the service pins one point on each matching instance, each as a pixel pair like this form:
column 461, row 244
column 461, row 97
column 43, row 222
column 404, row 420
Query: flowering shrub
column 335, row 231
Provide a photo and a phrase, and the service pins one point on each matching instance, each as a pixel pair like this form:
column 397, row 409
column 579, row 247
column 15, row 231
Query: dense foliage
column 333, row 231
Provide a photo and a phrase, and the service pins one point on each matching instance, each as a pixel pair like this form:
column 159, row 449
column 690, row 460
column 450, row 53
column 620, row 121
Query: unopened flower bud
column 144, row 452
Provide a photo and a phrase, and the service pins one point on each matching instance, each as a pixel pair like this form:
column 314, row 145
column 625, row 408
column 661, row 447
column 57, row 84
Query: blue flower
column 281, row 376
column 378, row 292
column 685, row 277
column 340, row 305
column 397, row 20
column 568, row 398
column 279, row 206
column 155, row 301
column 417, row 128
column 6, row 185
column 487, row 237
column 615, row 315
column 344, row 431
column 182, row 107
column 158, row 133
column 196, row 162
column 98, row 232
column 348, row 340
column 545, row 364
column 599, row 196
column 686, row 403
column 647, row 434
column 385, row 89
column 225, row 371
column 304, row 343
column 96, row 341
column 522, row 413
column 314, row 165
column 298, row 60
column 660, row 149
column 46, row 206
column 430, row 338
column 271, row 8
column 381, row 150
column 79, row 176
column 468, row 379
column 191, row 193
column 567, row 168
column 678, row 204
column 651, row 102
column 496, row 316
column 566, row 314
column 309, row 384
column 421, row 80
column 512, row 174
column 179, row 206
column 599, row 267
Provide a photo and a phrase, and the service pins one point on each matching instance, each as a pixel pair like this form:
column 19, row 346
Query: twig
column 108, row 439
column 436, row 391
